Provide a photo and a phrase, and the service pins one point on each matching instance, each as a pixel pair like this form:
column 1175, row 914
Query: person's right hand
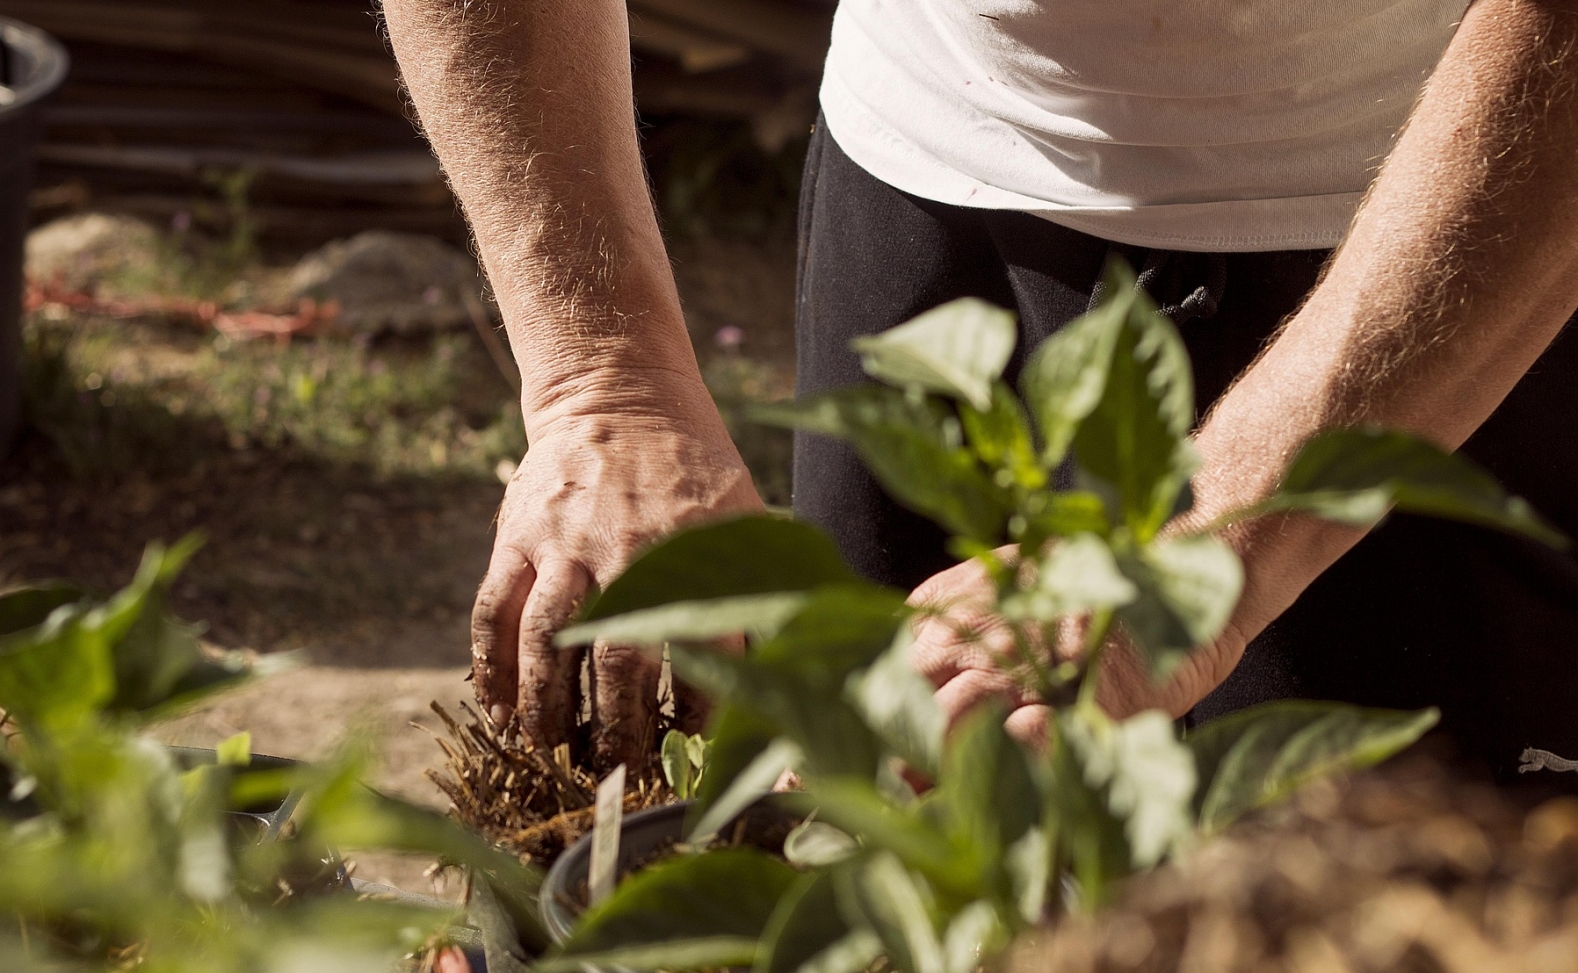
column 594, row 489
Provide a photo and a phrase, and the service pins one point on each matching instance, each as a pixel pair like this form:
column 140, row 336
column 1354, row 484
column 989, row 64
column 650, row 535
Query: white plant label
column 608, row 817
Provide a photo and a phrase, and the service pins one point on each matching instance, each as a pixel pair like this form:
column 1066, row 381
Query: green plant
column 684, row 760
column 114, row 855
column 936, row 882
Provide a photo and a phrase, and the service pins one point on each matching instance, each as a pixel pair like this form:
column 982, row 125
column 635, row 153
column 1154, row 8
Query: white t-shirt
column 1227, row 125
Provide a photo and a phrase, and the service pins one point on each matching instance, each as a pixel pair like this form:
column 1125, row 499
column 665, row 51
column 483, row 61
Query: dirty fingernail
column 499, row 714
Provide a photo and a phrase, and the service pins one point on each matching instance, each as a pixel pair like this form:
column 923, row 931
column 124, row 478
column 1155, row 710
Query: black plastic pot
column 646, row 835
column 32, row 66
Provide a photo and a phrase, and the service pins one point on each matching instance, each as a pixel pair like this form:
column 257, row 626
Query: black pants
column 1422, row 612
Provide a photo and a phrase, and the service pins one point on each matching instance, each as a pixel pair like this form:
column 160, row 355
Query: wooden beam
column 695, row 50
column 796, row 33
column 255, row 40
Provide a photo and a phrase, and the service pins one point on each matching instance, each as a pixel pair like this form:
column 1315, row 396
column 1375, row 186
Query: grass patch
column 115, row 397
column 119, row 397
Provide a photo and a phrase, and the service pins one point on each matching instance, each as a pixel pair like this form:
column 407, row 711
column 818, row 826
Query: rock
column 98, row 253
column 386, row 281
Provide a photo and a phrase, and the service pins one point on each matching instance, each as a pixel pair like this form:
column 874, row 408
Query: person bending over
column 1357, row 211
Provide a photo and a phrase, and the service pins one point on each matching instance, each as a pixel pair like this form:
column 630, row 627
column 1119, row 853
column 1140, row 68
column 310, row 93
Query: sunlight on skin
column 452, row 961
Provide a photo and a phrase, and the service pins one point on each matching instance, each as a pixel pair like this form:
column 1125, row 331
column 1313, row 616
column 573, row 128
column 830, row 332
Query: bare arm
column 1460, row 269
column 528, row 104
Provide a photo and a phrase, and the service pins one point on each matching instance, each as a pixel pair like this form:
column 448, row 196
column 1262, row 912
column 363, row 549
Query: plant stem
column 1095, row 645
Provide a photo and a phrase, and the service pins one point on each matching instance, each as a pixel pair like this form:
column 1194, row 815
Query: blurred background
column 251, row 308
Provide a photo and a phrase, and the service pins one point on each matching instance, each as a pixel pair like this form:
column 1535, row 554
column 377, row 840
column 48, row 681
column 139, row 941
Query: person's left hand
column 963, row 647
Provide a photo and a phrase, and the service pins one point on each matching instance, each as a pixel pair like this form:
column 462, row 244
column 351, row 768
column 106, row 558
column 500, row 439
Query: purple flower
column 729, row 337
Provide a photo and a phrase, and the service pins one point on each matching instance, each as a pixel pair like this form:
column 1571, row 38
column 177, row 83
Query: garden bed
column 1410, row 867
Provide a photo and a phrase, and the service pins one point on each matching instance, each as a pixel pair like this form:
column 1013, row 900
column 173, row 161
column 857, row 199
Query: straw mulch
column 532, row 802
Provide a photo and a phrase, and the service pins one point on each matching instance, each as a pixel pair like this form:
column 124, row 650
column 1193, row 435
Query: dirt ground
column 369, row 572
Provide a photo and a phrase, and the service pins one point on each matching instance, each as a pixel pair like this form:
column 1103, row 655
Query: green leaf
column 677, row 768
column 900, row 705
column 738, row 735
column 859, row 950
column 689, row 621
column 988, row 786
column 724, row 897
column 1088, row 836
column 853, row 805
column 746, row 556
column 1147, row 776
column 1001, row 437
column 817, row 844
column 1136, row 438
column 56, row 674
column 1188, row 588
column 693, row 953
column 1029, row 867
column 1079, row 574
column 1064, row 513
column 501, row 942
column 975, row 934
column 1355, row 475
column 749, row 786
column 808, row 933
column 219, row 672
column 338, row 811
column 1064, row 379
column 957, row 350
column 914, row 448
column 840, row 629
column 1259, row 755
column 696, row 748
column 891, row 903
column 22, row 608
column 802, row 708
column 156, row 651
column 235, row 751
column 124, row 654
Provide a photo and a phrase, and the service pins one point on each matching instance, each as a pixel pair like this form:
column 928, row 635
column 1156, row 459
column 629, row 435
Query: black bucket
column 32, row 66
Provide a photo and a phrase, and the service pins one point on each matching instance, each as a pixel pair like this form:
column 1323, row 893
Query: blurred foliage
column 119, row 853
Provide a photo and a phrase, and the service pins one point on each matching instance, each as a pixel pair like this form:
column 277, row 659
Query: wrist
column 646, row 396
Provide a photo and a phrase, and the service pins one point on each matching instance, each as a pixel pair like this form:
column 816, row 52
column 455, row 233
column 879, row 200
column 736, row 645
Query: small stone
column 97, row 253
column 386, row 281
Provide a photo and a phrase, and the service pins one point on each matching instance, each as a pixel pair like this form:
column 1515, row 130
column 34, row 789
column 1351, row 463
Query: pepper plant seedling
column 937, row 882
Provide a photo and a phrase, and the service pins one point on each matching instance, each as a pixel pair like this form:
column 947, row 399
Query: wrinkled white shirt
column 1225, row 125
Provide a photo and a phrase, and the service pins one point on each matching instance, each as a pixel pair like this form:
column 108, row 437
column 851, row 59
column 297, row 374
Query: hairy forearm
column 528, row 105
column 1460, row 269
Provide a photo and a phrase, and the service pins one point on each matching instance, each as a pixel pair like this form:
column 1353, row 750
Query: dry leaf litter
column 1408, row 869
